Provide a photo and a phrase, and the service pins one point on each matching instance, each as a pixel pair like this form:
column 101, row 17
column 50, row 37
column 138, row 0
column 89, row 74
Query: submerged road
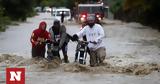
column 125, row 43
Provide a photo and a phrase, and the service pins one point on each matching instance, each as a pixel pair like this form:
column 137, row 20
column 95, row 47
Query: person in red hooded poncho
column 38, row 37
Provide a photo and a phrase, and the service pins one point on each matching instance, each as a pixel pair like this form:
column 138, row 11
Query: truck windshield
column 90, row 9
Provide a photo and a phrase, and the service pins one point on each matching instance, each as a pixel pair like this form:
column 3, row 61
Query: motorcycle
column 53, row 58
column 81, row 52
column 53, row 51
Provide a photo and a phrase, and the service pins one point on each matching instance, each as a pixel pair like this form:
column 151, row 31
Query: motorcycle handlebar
column 87, row 42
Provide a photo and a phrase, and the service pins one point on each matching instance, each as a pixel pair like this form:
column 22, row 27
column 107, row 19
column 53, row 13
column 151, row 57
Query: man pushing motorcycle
column 60, row 39
column 94, row 35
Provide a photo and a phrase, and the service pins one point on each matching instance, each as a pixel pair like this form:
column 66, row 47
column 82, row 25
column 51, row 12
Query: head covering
column 41, row 24
column 91, row 21
column 56, row 25
column 56, row 21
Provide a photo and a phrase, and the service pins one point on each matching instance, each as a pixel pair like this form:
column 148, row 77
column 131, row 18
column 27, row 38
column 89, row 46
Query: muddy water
column 133, row 55
column 75, row 73
column 133, row 68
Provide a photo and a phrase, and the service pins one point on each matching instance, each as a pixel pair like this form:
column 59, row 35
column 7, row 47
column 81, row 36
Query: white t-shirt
column 96, row 33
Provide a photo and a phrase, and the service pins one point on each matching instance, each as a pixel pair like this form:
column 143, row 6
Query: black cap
column 56, row 21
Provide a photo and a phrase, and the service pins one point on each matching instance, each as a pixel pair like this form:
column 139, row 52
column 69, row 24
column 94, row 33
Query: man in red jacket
column 39, row 36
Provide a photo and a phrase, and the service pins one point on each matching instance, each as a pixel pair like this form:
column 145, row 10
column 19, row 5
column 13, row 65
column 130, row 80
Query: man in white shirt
column 94, row 34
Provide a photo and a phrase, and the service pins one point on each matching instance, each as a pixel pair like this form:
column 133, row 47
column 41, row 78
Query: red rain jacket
column 39, row 34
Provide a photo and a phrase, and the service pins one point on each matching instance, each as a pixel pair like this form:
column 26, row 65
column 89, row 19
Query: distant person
column 62, row 17
column 38, row 37
column 94, row 35
column 60, row 38
column 72, row 15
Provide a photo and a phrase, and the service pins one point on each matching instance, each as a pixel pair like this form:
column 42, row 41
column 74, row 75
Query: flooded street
column 16, row 39
column 133, row 55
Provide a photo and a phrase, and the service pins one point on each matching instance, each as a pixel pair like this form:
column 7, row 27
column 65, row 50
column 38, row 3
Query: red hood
column 40, row 25
column 40, row 33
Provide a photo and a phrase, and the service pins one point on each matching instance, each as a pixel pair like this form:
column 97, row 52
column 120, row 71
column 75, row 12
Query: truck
column 85, row 10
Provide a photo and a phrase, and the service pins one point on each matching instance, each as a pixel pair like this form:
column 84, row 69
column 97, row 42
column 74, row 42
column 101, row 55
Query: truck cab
column 85, row 10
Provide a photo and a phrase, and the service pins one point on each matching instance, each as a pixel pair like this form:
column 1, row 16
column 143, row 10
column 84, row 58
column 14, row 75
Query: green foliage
column 70, row 3
column 4, row 20
column 17, row 9
column 115, row 5
column 143, row 11
column 141, row 4
column 58, row 3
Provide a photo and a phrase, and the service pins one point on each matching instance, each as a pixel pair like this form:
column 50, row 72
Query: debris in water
column 135, row 68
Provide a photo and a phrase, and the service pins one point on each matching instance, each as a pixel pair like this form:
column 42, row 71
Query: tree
column 17, row 9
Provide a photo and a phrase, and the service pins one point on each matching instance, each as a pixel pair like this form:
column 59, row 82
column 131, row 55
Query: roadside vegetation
column 143, row 11
column 19, row 10
column 14, row 10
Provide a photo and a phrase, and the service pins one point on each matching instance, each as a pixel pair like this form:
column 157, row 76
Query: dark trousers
column 64, row 51
column 38, row 52
column 62, row 19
